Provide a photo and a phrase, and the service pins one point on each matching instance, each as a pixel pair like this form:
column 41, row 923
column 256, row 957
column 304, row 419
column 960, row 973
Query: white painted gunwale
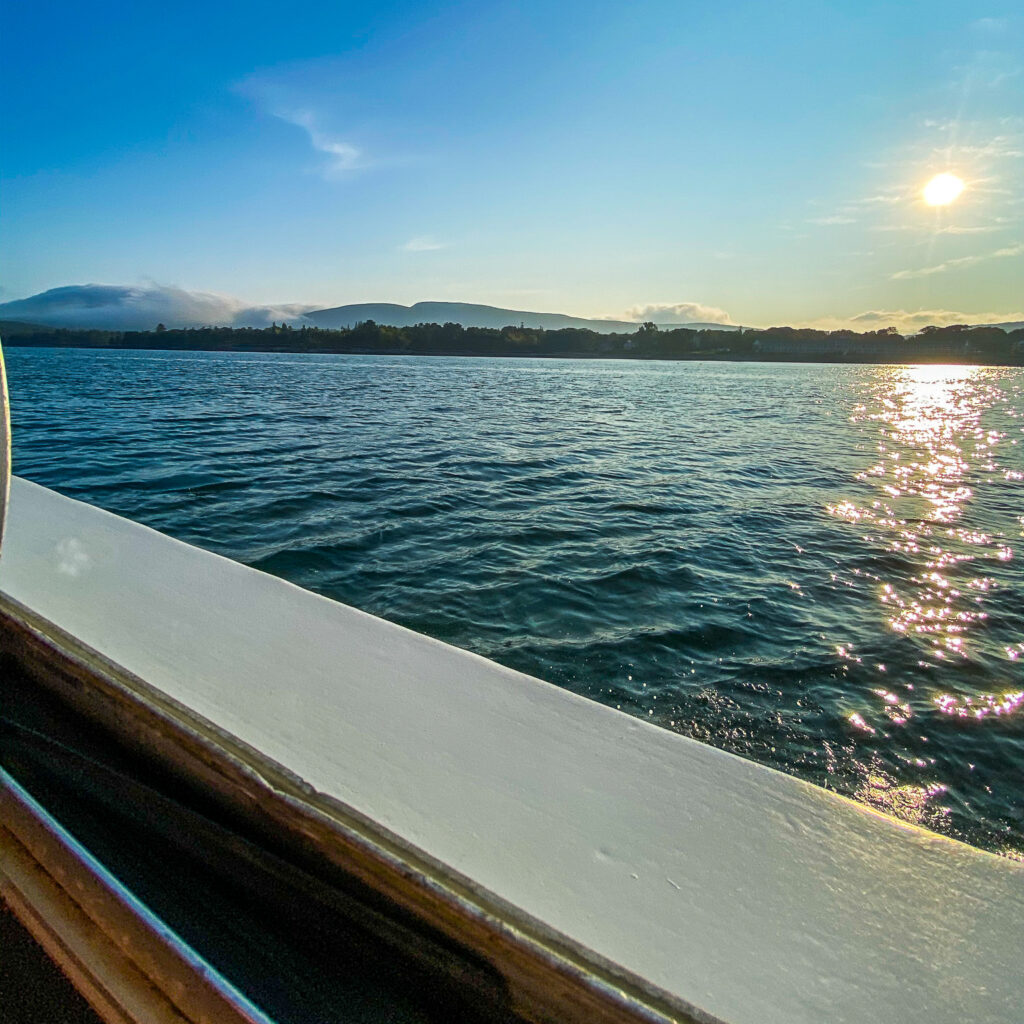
column 748, row 894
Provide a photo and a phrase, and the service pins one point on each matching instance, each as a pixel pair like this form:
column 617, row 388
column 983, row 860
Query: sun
column 942, row 189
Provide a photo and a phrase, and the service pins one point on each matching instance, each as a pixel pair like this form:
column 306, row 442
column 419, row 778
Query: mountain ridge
column 473, row 314
column 125, row 307
column 142, row 307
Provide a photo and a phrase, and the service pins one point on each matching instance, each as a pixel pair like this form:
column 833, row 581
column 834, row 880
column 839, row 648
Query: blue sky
column 761, row 161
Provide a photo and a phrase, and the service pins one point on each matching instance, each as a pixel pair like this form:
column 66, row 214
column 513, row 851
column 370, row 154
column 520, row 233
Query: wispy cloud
column 299, row 96
column 342, row 156
column 962, row 261
column 996, row 148
column 889, row 198
column 854, row 210
column 957, row 229
column 999, row 224
column 988, row 69
column 423, row 243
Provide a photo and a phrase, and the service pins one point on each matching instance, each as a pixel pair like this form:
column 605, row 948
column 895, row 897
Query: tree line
column 958, row 343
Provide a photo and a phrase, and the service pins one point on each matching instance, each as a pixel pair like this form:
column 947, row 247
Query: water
column 817, row 567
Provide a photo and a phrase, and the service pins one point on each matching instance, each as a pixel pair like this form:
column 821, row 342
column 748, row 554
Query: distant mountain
column 142, row 307
column 12, row 328
column 470, row 314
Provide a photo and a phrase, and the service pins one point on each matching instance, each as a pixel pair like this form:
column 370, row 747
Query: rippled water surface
column 817, row 567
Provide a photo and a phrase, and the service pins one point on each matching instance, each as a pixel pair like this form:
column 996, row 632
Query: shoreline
column 829, row 359
column 956, row 344
column 574, row 357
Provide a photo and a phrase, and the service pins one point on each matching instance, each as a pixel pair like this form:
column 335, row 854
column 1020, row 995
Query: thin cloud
column 342, row 156
column 963, row 261
column 280, row 97
column 423, row 243
column 882, row 199
column 999, row 146
column 989, row 69
column 1001, row 224
column 955, row 229
column 836, row 218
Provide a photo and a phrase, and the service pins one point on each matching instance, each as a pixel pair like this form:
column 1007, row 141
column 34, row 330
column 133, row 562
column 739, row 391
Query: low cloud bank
column 142, row 307
column 910, row 322
column 678, row 313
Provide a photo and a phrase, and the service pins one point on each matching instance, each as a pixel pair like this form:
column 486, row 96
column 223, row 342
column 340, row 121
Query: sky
column 757, row 163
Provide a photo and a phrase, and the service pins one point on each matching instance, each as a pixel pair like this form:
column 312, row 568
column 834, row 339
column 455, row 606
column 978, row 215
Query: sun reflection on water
column 932, row 452
column 931, row 447
column 979, row 707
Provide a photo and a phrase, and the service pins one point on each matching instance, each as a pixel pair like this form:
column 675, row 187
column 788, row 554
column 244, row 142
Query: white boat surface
column 689, row 880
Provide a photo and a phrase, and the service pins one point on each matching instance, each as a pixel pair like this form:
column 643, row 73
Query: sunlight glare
column 942, row 189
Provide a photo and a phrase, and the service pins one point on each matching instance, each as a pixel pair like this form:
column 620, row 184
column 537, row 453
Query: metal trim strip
column 124, row 959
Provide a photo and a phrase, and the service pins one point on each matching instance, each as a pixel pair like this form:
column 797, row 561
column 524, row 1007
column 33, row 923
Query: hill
column 142, row 307
column 12, row 328
column 471, row 314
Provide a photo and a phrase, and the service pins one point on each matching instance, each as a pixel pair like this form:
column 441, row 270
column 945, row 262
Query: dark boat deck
column 32, row 987
column 304, row 949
